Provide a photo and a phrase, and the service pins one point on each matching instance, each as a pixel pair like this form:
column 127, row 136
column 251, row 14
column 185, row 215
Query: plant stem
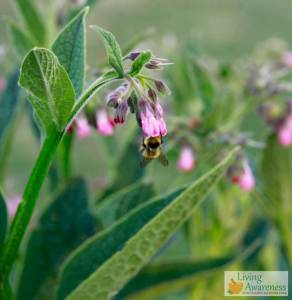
column 30, row 195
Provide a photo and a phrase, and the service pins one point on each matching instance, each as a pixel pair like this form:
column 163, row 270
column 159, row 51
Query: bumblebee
column 151, row 149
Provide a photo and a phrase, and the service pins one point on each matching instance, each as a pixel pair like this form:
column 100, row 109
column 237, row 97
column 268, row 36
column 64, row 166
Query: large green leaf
column 101, row 247
column 162, row 278
column 120, row 203
column 21, row 40
column 3, row 218
column 33, row 20
column 8, row 104
column 70, row 49
column 114, row 52
column 49, row 86
column 112, row 275
column 64, row 225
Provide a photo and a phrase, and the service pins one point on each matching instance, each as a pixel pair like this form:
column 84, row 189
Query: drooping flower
column 241, row 174
column 121, row 112
column 12, row 205
column 104, row 124
column 186, row 161
column 151, row 117
column 285, row 132
column 83, row 128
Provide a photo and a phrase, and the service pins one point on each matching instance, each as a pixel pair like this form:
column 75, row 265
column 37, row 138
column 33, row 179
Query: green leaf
column 139, row 62
column 20, row 39
column 113, row 49
column 122, row 202
column 102, row 246
column 50, row 89
column 112, row 275
column 64, row 225
column 162, row 278
column 69, row 47
column 8, row 105
column 3, row 218
column 34, row 21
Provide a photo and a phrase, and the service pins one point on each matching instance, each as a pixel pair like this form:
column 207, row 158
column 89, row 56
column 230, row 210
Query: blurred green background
column 225, row 29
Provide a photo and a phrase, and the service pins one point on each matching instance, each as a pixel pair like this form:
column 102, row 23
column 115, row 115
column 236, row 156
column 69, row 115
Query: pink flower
column 83, row 128
column 152, row 121
column 121, row 112
column 186, row 161
column 246, row 180
column 2, row 84
column 287, row 59
column 104, row 125
column 12, row 205
column 285, row 133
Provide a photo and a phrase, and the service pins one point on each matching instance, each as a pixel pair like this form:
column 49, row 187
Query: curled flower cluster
column 139, row 95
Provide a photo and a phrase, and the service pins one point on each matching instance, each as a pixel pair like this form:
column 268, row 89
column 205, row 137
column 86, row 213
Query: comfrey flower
column 12, row 205
column 83, row 128
column 139, row 95
column 105, row 126
column 241, row 174
column 187, row 160
column 285, row 132
column 151, row 116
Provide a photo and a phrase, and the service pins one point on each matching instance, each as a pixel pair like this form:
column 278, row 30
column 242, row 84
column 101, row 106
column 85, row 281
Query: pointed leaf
column 3, row 219
column 113, row 49
column 33, row 20
column 50, row 89
column 102, row 246
column 64, row 225
column 112, row 275
column 69, row 47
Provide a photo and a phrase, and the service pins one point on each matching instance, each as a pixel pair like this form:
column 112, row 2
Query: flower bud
column 133, row 55
column 152, row 95
column 121, row 112
column 186, row 161
column 162, row 87
column 285, row 132
column 246, row 180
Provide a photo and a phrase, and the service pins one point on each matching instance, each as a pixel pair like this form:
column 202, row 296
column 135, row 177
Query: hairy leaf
column 113, row 49
column 64, row 225
column 101, row 247
column 122, row 202
column 69, row 47
column 33, row 20
column 50, row 89
column 112, row 275
column 139, row 62
column 3, row 218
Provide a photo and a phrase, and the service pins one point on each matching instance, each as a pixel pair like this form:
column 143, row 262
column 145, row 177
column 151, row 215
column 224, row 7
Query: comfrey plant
column 52, row 87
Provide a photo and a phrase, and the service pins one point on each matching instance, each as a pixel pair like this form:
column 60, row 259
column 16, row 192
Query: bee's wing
column 145, row 161
column 163, row 159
